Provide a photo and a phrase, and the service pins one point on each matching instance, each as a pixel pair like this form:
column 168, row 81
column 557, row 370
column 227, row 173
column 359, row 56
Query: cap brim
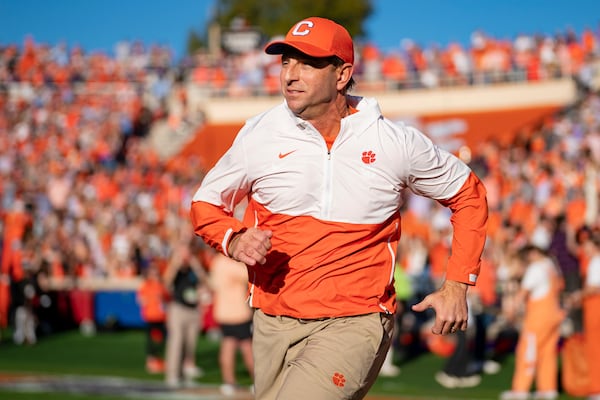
column 280, row 47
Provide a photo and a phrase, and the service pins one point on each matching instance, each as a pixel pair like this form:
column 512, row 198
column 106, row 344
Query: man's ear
column 344, row 75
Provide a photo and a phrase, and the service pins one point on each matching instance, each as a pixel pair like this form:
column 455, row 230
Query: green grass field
column 121, row 354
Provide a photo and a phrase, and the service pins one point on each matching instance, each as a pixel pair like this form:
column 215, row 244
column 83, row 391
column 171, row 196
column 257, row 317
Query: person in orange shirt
column 16, row 222
column 536, row 357
column 393, row 69
column 152, row 296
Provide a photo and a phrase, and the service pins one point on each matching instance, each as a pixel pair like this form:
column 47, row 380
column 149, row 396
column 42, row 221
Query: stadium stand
column 101, row 154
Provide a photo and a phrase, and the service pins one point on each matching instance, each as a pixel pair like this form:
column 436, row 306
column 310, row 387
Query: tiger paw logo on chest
column 368, row 157
column 338, row 379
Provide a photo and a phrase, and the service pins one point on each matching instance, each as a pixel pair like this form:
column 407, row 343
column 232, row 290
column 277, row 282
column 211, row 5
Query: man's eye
column 317, row 63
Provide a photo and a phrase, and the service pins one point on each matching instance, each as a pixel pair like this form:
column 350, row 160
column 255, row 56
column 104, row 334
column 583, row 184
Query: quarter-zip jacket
column 334, row 213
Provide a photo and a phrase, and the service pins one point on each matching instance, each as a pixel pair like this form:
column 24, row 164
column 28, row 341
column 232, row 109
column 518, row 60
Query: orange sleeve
column 469, row 220
column 214, row 225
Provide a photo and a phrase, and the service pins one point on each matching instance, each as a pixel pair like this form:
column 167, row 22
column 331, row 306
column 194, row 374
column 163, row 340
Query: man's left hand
column 450, row 305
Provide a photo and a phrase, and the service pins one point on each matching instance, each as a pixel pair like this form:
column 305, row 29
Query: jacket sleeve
column 225, row 186
column 469, row 220
column 215, row 225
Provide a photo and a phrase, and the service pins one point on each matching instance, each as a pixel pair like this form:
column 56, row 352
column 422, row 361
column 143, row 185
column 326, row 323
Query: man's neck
column 329, row 123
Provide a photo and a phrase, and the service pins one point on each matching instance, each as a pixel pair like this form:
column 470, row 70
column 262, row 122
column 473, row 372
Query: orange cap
column 316, row 37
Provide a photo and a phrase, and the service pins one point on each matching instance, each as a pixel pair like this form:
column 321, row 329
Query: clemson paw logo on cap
column 338, row 379
column 368, row 157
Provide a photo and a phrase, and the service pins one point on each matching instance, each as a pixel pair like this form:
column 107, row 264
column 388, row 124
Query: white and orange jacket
column 334, row 213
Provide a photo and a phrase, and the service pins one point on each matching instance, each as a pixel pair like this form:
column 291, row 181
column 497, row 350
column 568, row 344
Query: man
column 323, row 174
column 536, row 355
column 184, row 278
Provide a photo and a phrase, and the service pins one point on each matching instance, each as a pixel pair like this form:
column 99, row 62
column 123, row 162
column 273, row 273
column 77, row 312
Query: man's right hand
column 250, row 246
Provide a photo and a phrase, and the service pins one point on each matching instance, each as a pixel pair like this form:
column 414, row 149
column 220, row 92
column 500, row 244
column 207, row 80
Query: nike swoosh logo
column 282, row 155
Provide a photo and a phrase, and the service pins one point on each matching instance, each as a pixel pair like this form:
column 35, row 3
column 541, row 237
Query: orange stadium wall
column 208, row 144
column 451, row 117
column 454, row 130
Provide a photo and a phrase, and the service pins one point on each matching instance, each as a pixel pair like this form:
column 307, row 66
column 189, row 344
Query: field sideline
column 110, row 366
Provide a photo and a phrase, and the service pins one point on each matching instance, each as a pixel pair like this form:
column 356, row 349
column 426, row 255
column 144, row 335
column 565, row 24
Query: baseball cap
column 316, row 37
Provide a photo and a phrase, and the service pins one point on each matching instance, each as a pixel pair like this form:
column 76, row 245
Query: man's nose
column 291, row 72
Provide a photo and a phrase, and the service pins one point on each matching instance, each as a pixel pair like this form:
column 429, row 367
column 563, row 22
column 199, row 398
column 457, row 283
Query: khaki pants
column 183, row 328
column 336, row 358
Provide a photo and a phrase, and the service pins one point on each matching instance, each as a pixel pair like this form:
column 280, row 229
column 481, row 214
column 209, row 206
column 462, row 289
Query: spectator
column 183, row 277
column 562, row 248
column 229, row 283
column 589, row 299
column 152, row 297
column 457, row 372
column 24, row 300
column 537, row 348
column 404, row 292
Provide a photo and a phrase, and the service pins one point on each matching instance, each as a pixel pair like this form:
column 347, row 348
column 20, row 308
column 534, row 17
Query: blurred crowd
column 410, row 65
column 84, row 194
column 543, row 193
column 155, row 72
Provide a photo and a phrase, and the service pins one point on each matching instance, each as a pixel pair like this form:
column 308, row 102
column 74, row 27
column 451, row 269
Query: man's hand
column 450, row 305
column 250, row 246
